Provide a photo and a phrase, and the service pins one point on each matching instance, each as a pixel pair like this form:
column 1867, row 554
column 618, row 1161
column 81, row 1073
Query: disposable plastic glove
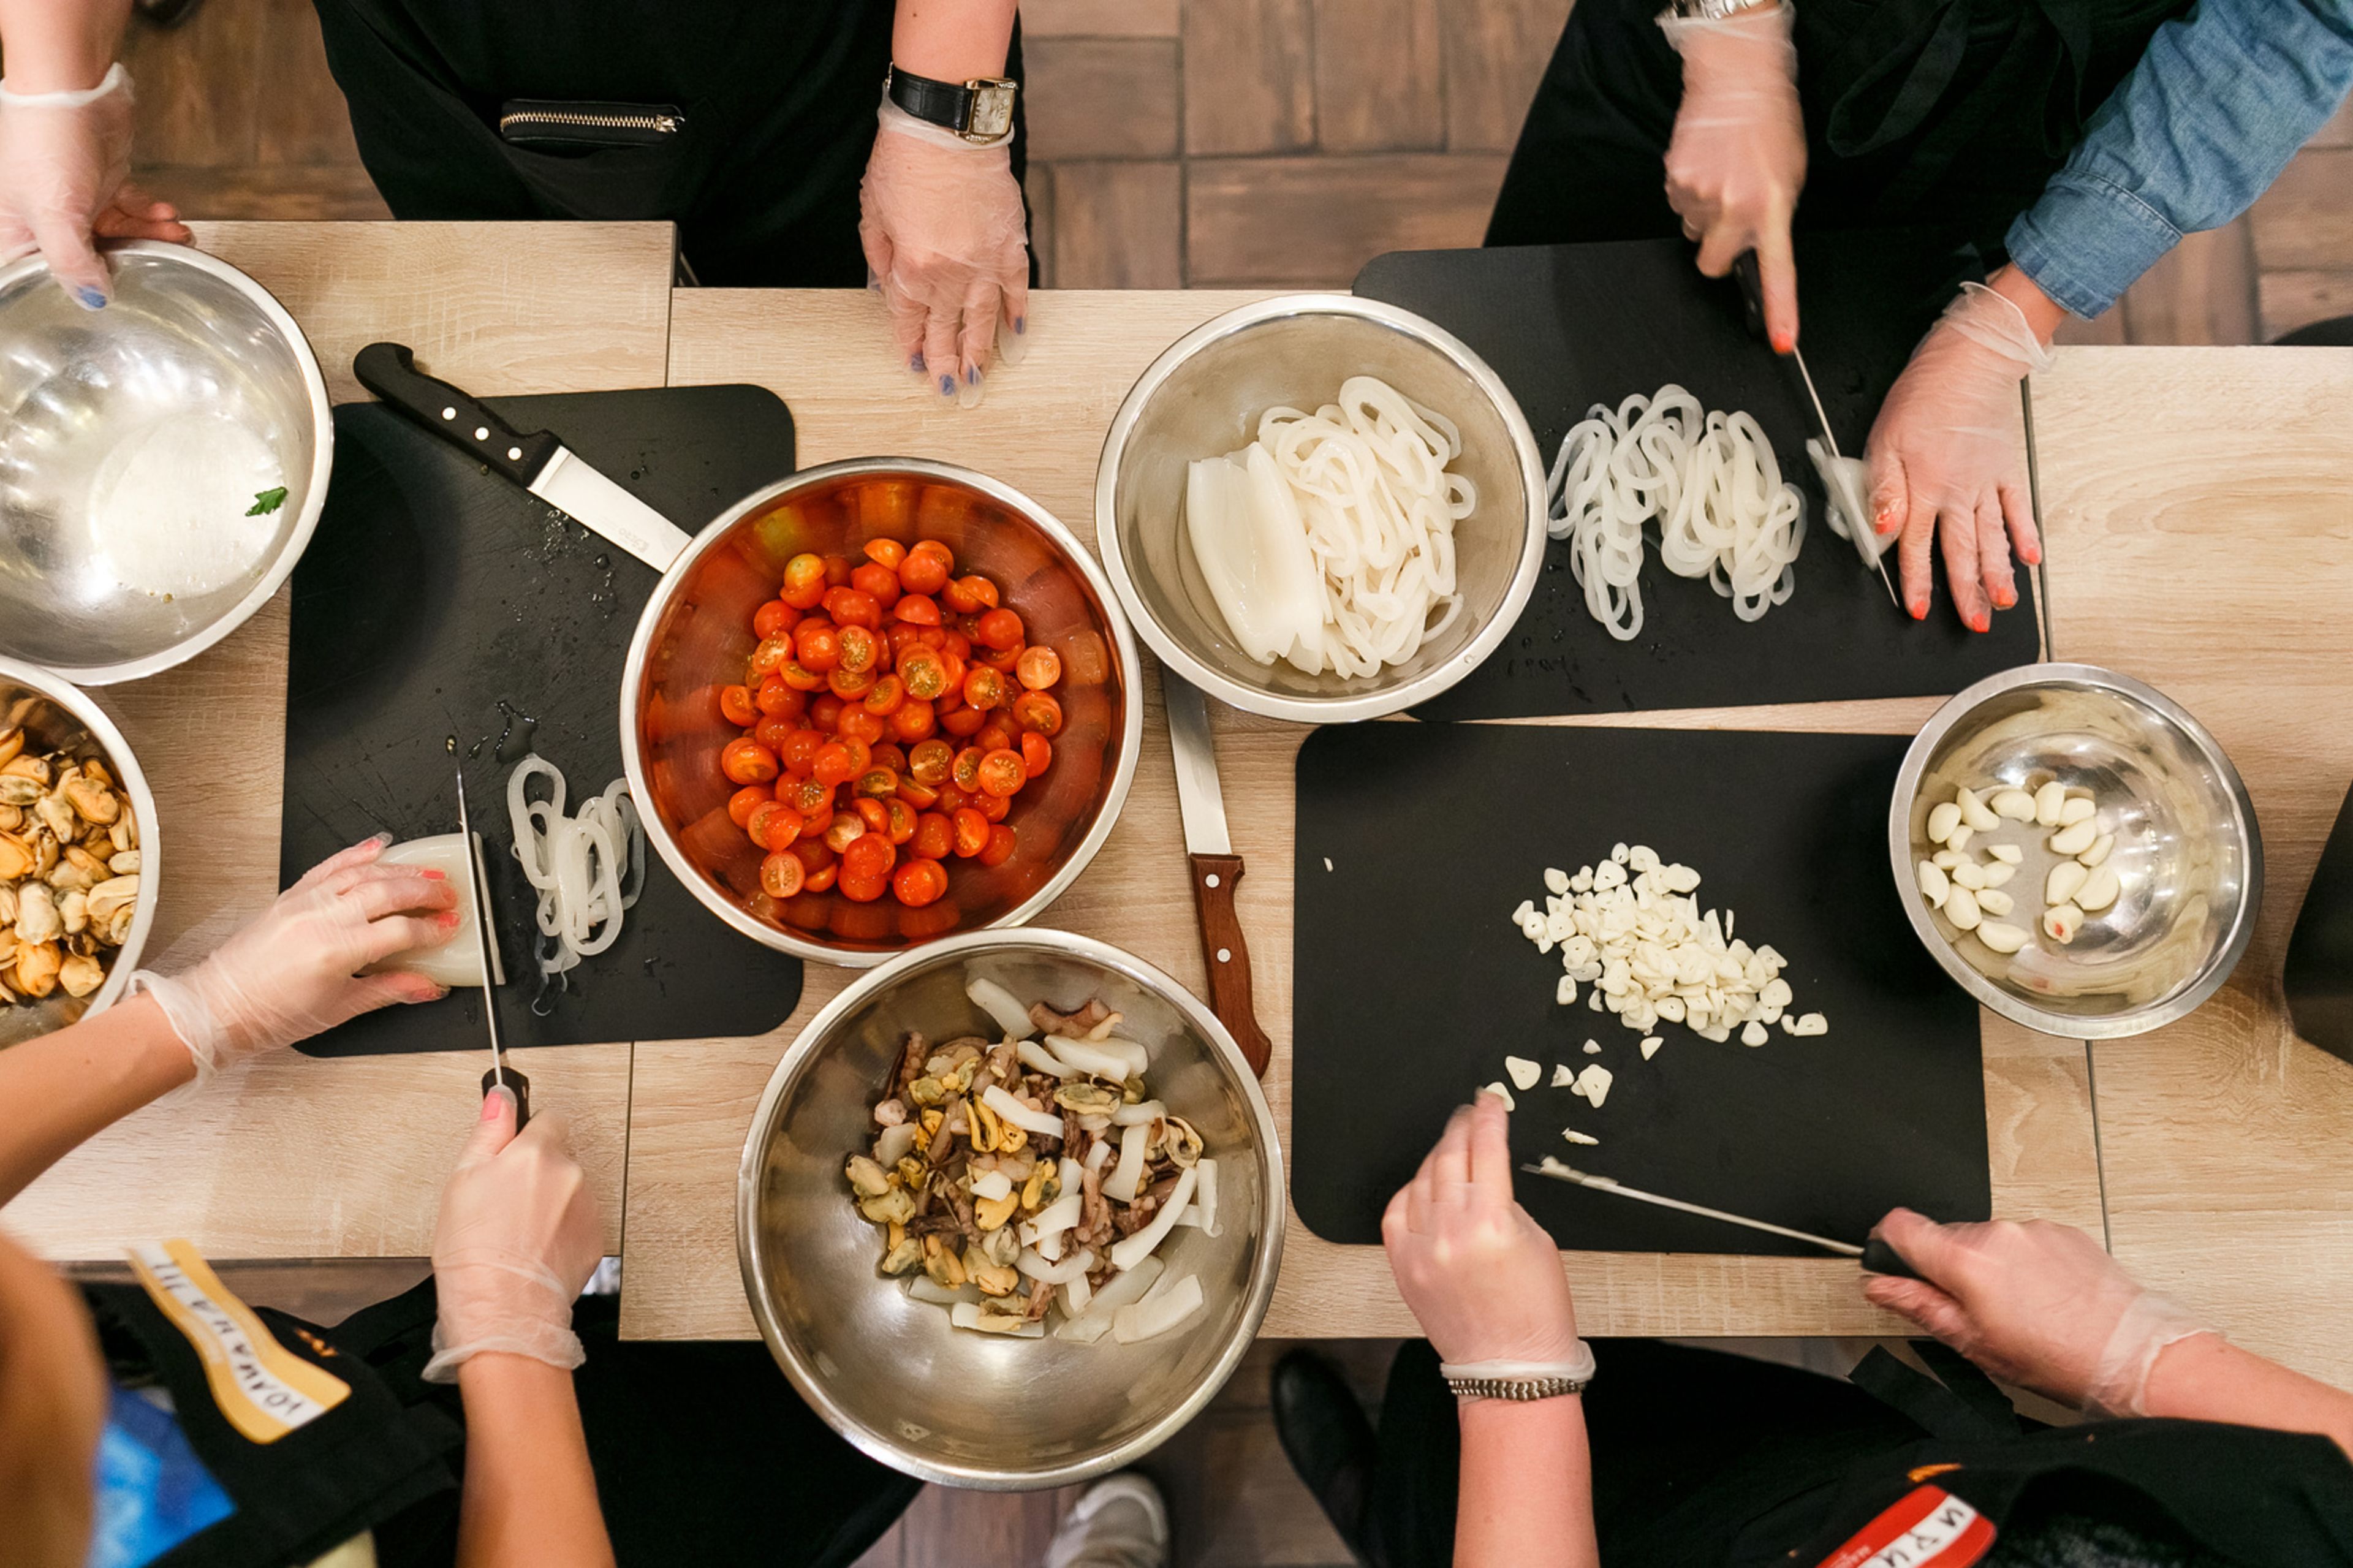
column 1737, row 157
column 2037, row 1304
column 1948, row 458
column 1482, row 1279
column 64, row 161
column 289, row 974
column 948, row 247
column 517, row 1240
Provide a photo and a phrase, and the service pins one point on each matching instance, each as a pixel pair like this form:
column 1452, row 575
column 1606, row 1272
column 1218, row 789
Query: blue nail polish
column 972, row 376
column 1020, row 325
column 92, row 300
column 916, row 365
column 948, row 386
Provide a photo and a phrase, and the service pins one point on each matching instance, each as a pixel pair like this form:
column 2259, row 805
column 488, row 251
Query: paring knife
column 1215, row 868
column 501, row 1075
column 539, row 462
column 1875, row 1255
column 1837, row 476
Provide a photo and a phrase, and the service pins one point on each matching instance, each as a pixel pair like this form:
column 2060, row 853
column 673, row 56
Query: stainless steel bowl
column 889, row 1373
column 1203, row 398
column 135, row 439
column 2187, row 848
column 57, row 717
column 696, row 633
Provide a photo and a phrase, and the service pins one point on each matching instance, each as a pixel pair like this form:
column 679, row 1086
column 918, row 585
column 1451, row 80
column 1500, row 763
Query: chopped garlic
column 1592, row 1047
column 1810, row 1023
column 1573, row 1136
column 1524, row 1072
column 1651, row 1044
column 1563, row 1074
column 1500, row 1092
column 1593, row 1084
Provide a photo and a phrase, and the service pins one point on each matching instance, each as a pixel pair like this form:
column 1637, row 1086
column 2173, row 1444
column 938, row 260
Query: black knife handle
column 521, row 1088
column 1752, row 289
column 389, row 370
column 1878, row 1258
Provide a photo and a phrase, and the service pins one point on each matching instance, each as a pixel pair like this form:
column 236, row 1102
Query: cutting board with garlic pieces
column 1679, row 954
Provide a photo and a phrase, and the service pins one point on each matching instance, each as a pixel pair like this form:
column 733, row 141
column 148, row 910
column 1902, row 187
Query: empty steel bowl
column 55, row 717
column 1202, row 398
column 888, row 1372
column 141, row 447
column 695, row 636
column 2187, row 849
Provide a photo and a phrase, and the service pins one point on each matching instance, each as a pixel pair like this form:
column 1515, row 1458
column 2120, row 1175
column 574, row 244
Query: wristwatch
column 1520, row 1389
column 980, row 110
column 1714, row 10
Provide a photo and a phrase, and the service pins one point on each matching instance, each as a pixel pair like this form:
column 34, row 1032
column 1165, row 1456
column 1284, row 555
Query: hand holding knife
column 1215, row 868
column 500, row 1076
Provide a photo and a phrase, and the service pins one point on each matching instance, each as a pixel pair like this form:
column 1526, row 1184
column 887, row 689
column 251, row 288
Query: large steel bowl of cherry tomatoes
column 880, row 701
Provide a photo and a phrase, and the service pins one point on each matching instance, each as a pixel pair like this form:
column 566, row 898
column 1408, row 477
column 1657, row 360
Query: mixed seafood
column 1034, row 1175
column 69, row 871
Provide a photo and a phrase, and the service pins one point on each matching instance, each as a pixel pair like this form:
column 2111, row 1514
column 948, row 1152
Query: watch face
column 992, row 111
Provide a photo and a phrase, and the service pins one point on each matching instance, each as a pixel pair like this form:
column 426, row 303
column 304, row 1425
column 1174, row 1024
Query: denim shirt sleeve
column 2222, row 99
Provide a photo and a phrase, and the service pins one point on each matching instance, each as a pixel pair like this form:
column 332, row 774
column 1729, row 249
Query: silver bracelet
column 1520, row 1381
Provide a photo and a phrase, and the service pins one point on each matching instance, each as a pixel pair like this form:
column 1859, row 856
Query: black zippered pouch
column 581, row 124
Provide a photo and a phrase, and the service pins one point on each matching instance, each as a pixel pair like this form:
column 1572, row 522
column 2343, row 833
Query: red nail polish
column 432, row 875
column 1980, row 621
column 449, row 919
column 1920, row 608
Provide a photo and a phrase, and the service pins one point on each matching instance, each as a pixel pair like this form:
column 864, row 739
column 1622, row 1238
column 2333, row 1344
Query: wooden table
column 2199, row 505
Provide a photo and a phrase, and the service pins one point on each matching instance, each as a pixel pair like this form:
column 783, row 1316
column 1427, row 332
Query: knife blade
column 1215, row 868
column 1560, row 1171
column 540, row 462
column 476, row 900
column 1837, row 476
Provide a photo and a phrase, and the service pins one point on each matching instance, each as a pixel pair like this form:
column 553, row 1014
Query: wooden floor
column 1194, row 142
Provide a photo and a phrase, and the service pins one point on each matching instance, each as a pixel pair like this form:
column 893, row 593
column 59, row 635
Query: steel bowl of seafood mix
column 77, row 856
column 1011, row 1211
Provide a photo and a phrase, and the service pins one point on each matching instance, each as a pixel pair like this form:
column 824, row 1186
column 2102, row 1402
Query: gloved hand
column 64, row 161
column 517, row 1240
column 2037, row 1304
column 1737, row 157
column 1949, row 459
column 948, row 245
column 1482, row 1279
column 289, row 974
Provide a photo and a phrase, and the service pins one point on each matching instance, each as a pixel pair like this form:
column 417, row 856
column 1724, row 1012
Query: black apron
column 1946, row 114
column 769, row 109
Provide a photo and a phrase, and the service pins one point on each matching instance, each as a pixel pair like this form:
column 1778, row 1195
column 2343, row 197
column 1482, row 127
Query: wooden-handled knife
column 1215, row 868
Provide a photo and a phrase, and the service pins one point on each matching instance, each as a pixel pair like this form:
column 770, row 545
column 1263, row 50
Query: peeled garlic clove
column 2098, row 852
column 1934, row 884
column 2075, row 811
column 1960, row 838
column 2000, row 871
column 1946, row 859
column 2001, row 937
column 1975, row 811
column 2059, row 886
column 2014, row 804
column 2048, row 802
column 1994, row 901
column 1970, row 874
column 1961, row 909
column 1942, row 820
column 2099, row 889
column 2074, row 840
column 2062, row 922
column 2008, row 854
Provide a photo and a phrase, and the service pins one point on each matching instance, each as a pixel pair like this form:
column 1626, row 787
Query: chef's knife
column 477, row 898
column 1875, row 1255
column 1215, row 868
column 539, row 462
column 1837, row 476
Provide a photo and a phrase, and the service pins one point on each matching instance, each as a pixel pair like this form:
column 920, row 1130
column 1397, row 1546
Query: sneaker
column 1119, row 1523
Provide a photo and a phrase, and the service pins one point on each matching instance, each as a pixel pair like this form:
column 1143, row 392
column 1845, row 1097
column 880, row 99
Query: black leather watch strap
column 978, row 110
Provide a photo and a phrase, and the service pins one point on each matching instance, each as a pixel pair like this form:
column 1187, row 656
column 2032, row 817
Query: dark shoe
column 1328, row 1439
column 166, row 13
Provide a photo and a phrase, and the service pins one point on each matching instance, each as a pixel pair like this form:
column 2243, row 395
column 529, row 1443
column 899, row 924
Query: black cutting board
column 1415, row 843
column 433, row 592
column 1570, row 326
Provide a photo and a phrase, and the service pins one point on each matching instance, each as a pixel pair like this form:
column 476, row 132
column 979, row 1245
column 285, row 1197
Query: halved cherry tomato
column 888, row 695
column 935, row 836
column 781, row 876
column 825, row 712
column 969, row 595
column 773, row 732
column 861, row 651
column 963, row 723
column 1001, row 660
column 925, row 673
column 821, row 879
column 924, row 572
column 846, row 829
column 1037, row 710
column 879, row 583
column 917, row 610
column 851, row 686
column 861, row 756
column 1002, row 842
column 745, row 802
column 887, row 755
column 853, row 608
column 922, row 796
column 804, row 581
column 878, row 784
column 984, row 687
column 992, row 807
column 914, row 721
column 814, row 854
column 964, row 772
column 831, row 765
column 746, row 762
column 837, row 570
column 736, row 702
column 774, row 619
column 929, row 760
column 858, row 724
column 777, row 699
column 920, row 882
column 872, row 855
column 997, row 735
column 773, row 825
column 863, row 889
column 886, row 552
column 817, row 646
column 971, row 833
column 802, row 681
column 770, row 655
column 1037, row 753
column 799, row 750
column 897, row 821
column 1002, row 772
column 1039, row 668
column 1000, row 628
column 952, row 800
column 811, row 796
column 871, row 813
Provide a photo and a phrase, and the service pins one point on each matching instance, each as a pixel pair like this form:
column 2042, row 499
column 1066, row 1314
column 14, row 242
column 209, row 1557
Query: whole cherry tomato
column 1039, row 667
column 1039, row 711
column 1000, row 628
column 745, row 801
column 799, row 750
column 919, row 882
column 858, row 724
column 878, row 581
column 914, row 721
column 1001, row 660
column 853, row 608
column 777, row 699
column 817, row 646
column 1001, row 844
column 888, row 756
column 952, row 800
column 924, row 572
column 774, row 619
column 825, row 712
column 773, row 732
column 837, row 570
column 997, row 735
column 963, row 723
column 781, row 875
column 831, row 765
column 804, row 581
column 814, row 854
column 863, row 889
column 746, row 762
column 935, row 836
column 971, row 833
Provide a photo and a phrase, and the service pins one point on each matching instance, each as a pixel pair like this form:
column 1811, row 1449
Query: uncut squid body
column 1250, row 544
column 458, row 963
